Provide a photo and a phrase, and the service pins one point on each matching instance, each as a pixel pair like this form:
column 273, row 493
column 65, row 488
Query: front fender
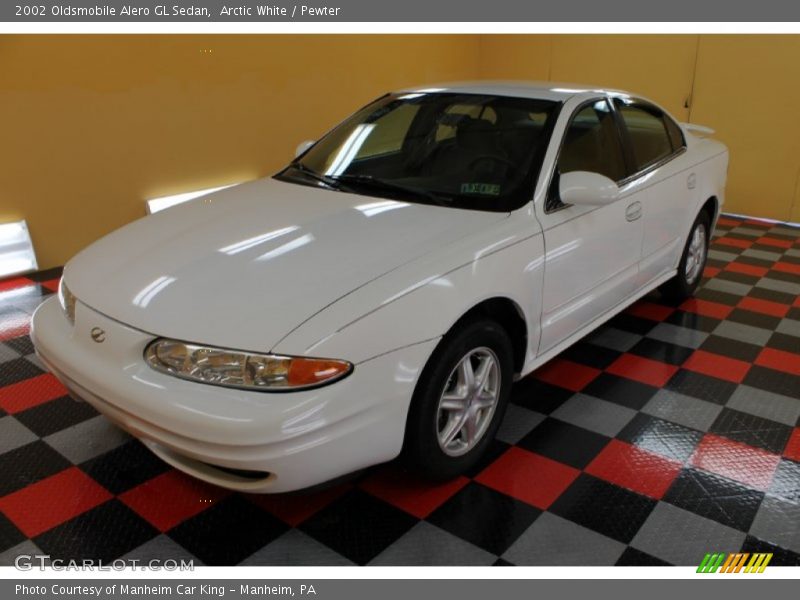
column 426, row 305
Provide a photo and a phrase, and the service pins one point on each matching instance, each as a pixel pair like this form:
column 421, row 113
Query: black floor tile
column 731, row 348
column 502, row 518
column 103, row 533
column 632, row 324
column 538, row 395
column 18, row 369
column 55, row 415
column 125, row 467
column 358, row 526
column 636, row 558
column 701, row 386
column 10, row 536
column 754, row 319
column 774, row 381
column 781, row 557
column 787, row 343
column 751, row 430
column 620, row 390
column 22, row 344
column 228, row 532
column 691, row 320
column 604, row 507
column 563, row 442
column 591, row 355
column 28, row 464
column 664, row 438
column 715, row 498
column 671, row 354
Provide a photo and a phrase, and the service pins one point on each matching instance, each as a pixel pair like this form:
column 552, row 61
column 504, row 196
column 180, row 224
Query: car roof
column 544, row 90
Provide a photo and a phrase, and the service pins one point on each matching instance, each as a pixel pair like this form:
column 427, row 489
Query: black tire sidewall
column 421, row 446
column 678, row 288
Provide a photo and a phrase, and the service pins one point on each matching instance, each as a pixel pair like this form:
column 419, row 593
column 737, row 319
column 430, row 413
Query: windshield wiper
column 312, row 174
column 369, row 180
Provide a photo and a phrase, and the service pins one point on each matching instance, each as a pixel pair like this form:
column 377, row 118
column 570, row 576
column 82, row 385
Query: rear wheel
column 460, row 400
column 693, row 261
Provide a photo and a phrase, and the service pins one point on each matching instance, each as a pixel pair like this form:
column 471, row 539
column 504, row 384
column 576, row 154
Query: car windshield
column 471, row 151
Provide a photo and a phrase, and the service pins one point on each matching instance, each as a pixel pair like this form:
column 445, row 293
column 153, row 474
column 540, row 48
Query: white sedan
column 379, row 295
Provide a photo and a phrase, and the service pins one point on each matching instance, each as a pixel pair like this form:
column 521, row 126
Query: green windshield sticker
column 484, row 189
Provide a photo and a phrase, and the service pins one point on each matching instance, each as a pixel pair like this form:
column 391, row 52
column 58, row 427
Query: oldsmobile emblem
column 98, row 335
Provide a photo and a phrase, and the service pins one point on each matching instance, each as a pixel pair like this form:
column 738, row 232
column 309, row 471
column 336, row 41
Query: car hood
column 243, row 267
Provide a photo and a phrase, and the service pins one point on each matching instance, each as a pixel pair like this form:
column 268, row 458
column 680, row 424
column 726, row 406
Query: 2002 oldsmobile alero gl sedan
column 379, row 295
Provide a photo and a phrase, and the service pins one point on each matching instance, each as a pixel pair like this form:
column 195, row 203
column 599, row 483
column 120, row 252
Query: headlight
column 243, row 370
column 67, row 301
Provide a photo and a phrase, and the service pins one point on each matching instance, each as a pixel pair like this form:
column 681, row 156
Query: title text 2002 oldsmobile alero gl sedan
column 380, row 294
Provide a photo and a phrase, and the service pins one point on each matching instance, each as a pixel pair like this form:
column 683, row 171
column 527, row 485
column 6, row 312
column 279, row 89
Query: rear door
column 660, row 170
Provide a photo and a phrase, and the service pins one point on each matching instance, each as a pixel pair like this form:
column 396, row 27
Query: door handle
column 634, row 211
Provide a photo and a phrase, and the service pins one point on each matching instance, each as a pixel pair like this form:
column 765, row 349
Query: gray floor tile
column 296, row 548
column 7, row 353
column 760, row 403
column 161, row 548
column 793, row 252
column 427, row 545
column 682, row 537
column 789, row 327
column 779, row 285
column 778, row 522
column 88, row 439
column 743, row 333
column 762, row 254
column 715, row 254
column 683, row 410
column 27, row 547
column 727, row 286
column 554, row 541
column 594, row 414
column 517, row 423
column 32, row 358
column 674, row 334
column 14, row 434
column 616, row 339
column 748, row 231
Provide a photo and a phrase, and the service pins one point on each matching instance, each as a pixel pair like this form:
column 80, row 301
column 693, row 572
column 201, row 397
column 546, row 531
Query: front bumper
column 295, row 440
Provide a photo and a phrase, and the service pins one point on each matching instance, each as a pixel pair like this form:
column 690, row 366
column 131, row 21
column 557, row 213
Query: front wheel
column 693, row 261
column 459, row 401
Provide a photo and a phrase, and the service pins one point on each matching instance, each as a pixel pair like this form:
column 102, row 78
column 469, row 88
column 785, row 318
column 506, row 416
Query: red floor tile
column 765, row 307
column 409, row 493
column 717, row 366
column 15, row 283
column 171, row 498
column 43, row 505
column 711, row 272
column 635, row 469
column 748, row 465
column 528, row 477
column 566, row 374
column 649, row 310
column 768, row 241
column 296, row 508
column 30, row 392
column 707, row 308
column 792, row 449
column 747, row 269
column 780, row 360
column 643, row 370
column 728, row 222
column 787, row 267
column 734, row 242
column 52, row 284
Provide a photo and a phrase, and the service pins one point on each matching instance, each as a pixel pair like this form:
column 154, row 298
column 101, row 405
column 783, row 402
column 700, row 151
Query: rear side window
column 592, row 143
column 647, row 131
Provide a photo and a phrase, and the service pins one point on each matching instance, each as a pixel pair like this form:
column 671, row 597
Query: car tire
column 453, row 419
column 692, row 263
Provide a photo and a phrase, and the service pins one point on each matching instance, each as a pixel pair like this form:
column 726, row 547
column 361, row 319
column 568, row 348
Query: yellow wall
column 93, row 125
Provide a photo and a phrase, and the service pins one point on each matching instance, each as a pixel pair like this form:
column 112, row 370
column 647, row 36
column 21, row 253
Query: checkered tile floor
column 670, row 432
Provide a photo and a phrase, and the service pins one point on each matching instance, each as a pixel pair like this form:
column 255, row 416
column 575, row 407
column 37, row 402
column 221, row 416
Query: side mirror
column 303, row 146
column 583, row 188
